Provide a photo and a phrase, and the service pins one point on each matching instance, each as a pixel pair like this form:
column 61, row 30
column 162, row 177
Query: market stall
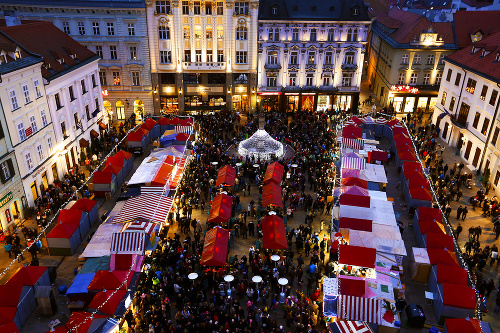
column 129, row 160
column 423, row 227
column 404, row 155
column 352, row 132
column 20, row 298
column 110, row 280
column 108, row 302
column 117, row 171
column 215, row 247
column 78, row 292
column 137, row 140
column 447, row 274
column 100, row 243
column 419, row 197
column 226, row 176
column 64, row 239
column 465, row 325
column 220, row 210
column 273, row 233
column 420, row 265
column 164, row 124
column 153, row 127
column 436, row 240
column 352, row 181
column 357, row 256
column 274, row 173
column 442, row 256
column 88, row 206
column 32, row 276
column 81, row 321
column 456, row 301
column 77, row 217
column 272, row 195
column 104, row 182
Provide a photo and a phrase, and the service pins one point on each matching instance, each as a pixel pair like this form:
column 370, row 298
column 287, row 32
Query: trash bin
column 416, row 316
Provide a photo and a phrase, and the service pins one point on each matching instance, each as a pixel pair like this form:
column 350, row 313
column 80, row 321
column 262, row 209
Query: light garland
column 455, row 242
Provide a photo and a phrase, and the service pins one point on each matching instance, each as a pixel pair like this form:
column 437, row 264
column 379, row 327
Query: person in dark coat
column 459, row 212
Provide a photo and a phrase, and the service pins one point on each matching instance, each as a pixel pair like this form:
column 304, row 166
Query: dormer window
column 355, row 10
column 274, row 9
column 332, row 8
column 483, row 54
column 313, row 8
column 17, row 54
column 497, row 59
column 3, row 59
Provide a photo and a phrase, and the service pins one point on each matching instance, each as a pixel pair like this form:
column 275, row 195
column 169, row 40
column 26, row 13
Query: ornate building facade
column 203, row 55
column 310, row 54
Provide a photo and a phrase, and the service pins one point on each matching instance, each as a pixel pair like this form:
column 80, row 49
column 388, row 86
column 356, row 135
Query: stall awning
column 378, row 155
column 407, row 156
column 137, row 136
column 220, row 211
column 226, row 176
column 215, row 247
column 437, row 240
column 116, row 160
column 441, row 256
column 353, row 181
column 128, row 242
column 357, row 256
column 112, row 168
column 102, row 126
column 459, row 296
column 352, row 132
column 353, row 163
column 274, row 233
column 352, row 143
column 350, row 173
column 102, row 177
column 107, row 301
column 154, row 207
column 417, row 180
column 85, row 205
column 183, row 129
column 94, row 134
column 355, row 224
column 355, row 200
column 149, row 124
column 83, row 143
column 274, row 173
column 356, row 190
column 426, row 226
column 271, row 195
column 451, row 274
column 359, row 308
column 399, row 130
column 111, row 280
column 420, row 193
column 427, row 213
column 350, row 326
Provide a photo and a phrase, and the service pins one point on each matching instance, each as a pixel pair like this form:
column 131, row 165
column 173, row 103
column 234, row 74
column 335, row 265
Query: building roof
column 472, row 58
column 79, row 3
column 467, row 23
column 313, row 10
column 60, row 52
column 402, row 27
column 477, row 3
column 426, row 4
column 9, row 62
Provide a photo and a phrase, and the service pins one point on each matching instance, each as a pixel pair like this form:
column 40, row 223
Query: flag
column 79, row 125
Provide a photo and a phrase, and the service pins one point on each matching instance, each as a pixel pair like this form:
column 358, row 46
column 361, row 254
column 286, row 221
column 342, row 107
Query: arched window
column 163, row 32
column 241, row 33
column 120, row 110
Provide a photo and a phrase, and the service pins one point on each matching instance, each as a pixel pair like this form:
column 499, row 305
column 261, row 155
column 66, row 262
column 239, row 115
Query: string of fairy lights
column 455, row 242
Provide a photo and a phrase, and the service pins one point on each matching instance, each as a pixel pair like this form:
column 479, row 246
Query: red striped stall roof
column 359, row 308
column 353, row 163
column 154, row 207
column 128, row 242
column 352, row 143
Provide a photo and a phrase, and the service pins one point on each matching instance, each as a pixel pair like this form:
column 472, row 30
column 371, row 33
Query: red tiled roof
column 468, row 23
column 52, row 44
column 411, row 26
column 475, row 61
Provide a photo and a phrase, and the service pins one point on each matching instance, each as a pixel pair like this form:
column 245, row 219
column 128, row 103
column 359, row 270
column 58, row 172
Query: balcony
column 292, row 88
column 290, row 65
column 328, row 88
column 203, row 66
column 348, row 88
column 310, row 66
column 349, row 67
column 273, row 67
column 265, row 88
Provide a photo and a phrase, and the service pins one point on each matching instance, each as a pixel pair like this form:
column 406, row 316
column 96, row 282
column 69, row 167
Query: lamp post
column 228, row 278
column 282, row 282
column 257, row 279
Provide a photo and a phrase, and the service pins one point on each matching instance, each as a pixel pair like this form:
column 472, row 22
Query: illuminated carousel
column 261, row 145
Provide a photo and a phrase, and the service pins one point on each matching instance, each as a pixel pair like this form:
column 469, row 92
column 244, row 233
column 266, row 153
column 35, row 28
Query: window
column 471, row 86
column 220, row 8
column 131, row 29
column 328, row 58
column 43, row 115
column 135, row 79
column 34, row 127
column 448, row 75
column 66, row 28
column 165, row 57
column 36, row 84
column 185, row 7
column 75, row 117
column 452, row 103
column 349, row 58
column 63, row 130
column 494, row 138
column 84, row 87
column 220, row 55
column 49, row 143
column 416, row 59
column 98, row 50
column 39, row 150
column 427, row 78
column 102, row 78
column 294, row 57
column 95, row 28
column 208, row 33
column 58, row 101
column 187, row 55
column 497, row 177
column 486, row 123
column 81, row 28
column 271, row 80
column 26, row 94
column 96, row 102
column 430, row 59
column 111, row 28
column 116, row 78
column 349, row 35
column 274, row 34
column 439, row 77
column 413, row 78
column 331, row 35
column 133, row 52
column 443, row 98
column 346, row 79
column 7, row 170
column 163, row 7
column 457, row 79
column 13, row 100
column 272, row 57
column 241, row 57
column 186, row 32
column 71, row 94
column 197, row 55
column 197, row 8
column 29, row 161
column 312, row 37
column 241, row 8
column 113, row 53
column 295, row 35
column 293, row 81
column 355, row 35
column 87, row 112
column 208, row 8
column 210, row 56
column 441, row 59
column 92, row 78
column 163, row 32
column 197, row 32
column 484, row 91
column 326, row 81
column 402, row 78
column 309, row 80
column 274, row 10
column 310, row 58
column 21, row 131
column 476, row 120
column 404, row 58
column 493, row 97
column 241, row 33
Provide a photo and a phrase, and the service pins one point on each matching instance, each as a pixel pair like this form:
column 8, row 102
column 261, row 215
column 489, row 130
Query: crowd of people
column 168, row 301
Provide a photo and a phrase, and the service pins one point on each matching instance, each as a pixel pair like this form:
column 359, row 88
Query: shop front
column 292, row 102
column 406, row 99
column 11, row 206
column 169, row 104
column 324, row 102
column 138, row 110
column 269, row 101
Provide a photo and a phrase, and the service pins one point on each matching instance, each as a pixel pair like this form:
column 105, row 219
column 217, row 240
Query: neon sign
column 404, row 88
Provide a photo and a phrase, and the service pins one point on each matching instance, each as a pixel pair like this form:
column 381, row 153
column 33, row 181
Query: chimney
column 11, row 18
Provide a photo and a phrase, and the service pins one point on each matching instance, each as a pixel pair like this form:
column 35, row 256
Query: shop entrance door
column 34, row 190
column 467, row 150
column 460, row 141
column 45, row 183
column 68, row 164
column 476, row 157
column 15, row 210
column 54, row 171
column 445, row 132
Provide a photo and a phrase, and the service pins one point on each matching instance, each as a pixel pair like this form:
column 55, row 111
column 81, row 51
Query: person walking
column 459, row 212
column 478, row 231
column 497, row 303
column 464, row 213
column 458, row 230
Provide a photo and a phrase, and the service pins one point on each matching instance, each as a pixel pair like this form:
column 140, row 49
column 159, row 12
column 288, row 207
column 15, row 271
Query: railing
column 349, row 67
column 266, row 88
column 203, row 65
column 272, row 66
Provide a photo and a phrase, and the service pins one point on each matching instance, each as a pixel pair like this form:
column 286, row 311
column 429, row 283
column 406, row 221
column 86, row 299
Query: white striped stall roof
column 183, row 129
column 152, row 190
column 352, row 143
column 128, row 242
column 153, row 207
column 359, row 308
column 353, row 163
